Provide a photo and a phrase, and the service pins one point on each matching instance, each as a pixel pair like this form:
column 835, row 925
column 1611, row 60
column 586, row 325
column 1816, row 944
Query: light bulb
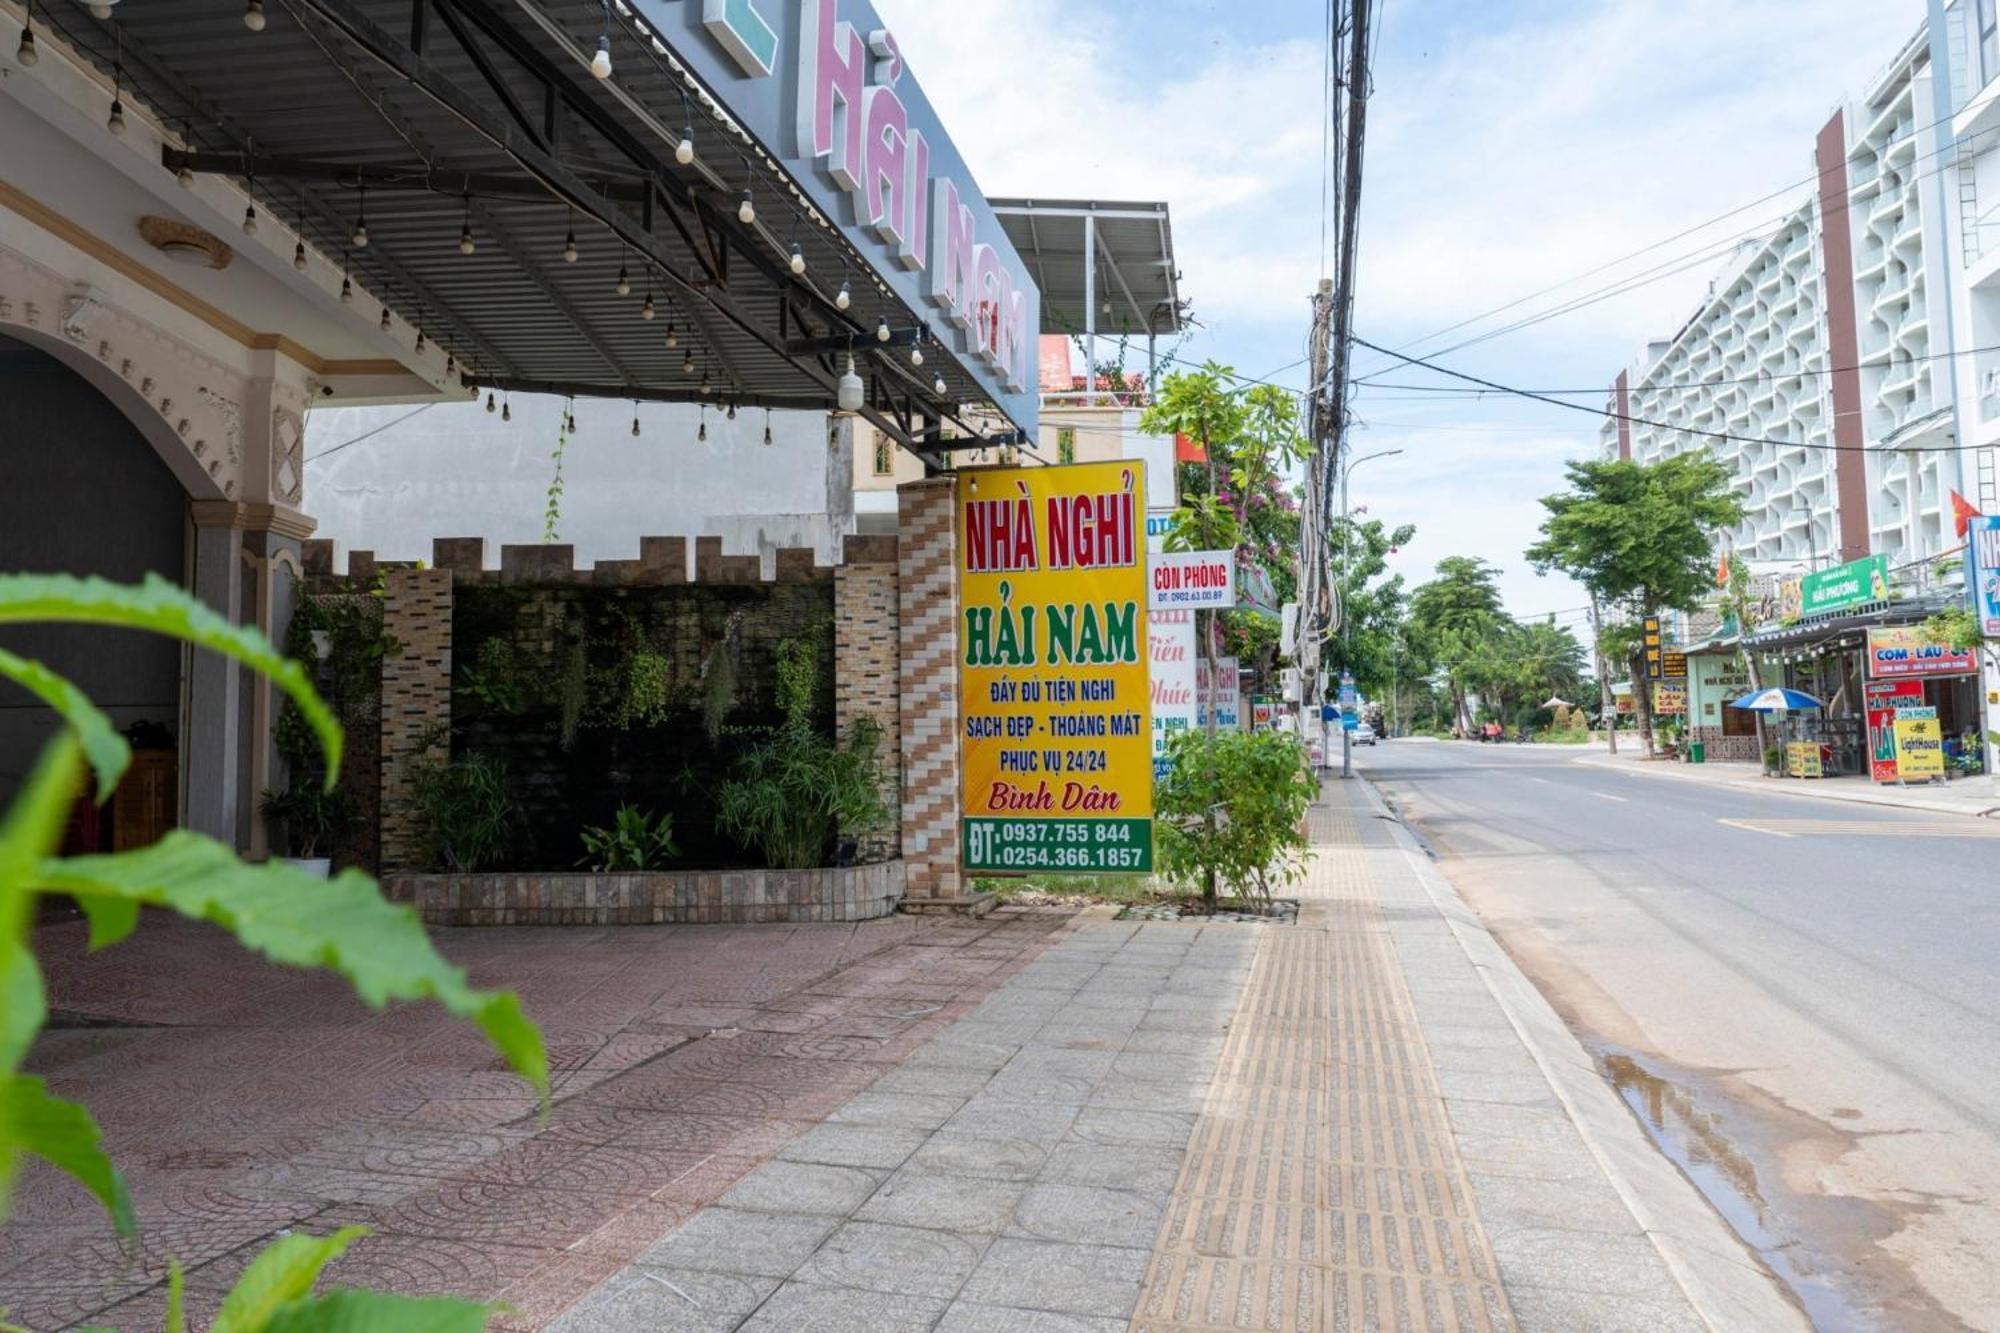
column 600, row 64
column 882, row 331
column 624, row 284
column 635, row 427
column 466, row 245
column 101, row 11
column 850, row 393
column 250, row 220
column 490, row 404
column 420, row 340
column 844, row 299
column 673, row 338
column 767, row 434
column 451, row 364
column 732, row 411
column 798, row 259
column 938, row 386
column 360, row 237
column 687, row 364
column 569, row 248
column 385, row 319
column 646, row 311
column 253, row 15
column 702, row 434
column 185, row 177
column 569, row 423
column 506, row 411
column 25, row 53
column 684, row 150
column 116, row 121
column 746, row 212
column 916, row 356
column 346, row 291
column 299, row 256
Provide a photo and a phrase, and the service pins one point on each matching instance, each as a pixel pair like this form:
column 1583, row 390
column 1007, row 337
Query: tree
column 1639, row 535
column 1371, row 606
column 1455, row 618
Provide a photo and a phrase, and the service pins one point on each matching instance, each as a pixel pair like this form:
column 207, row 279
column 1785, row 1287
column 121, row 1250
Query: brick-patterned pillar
column 416, row 700
column 866, row 665
column 927, row 629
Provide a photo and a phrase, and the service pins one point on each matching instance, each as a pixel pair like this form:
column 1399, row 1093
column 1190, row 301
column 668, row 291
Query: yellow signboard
column 1056, row 732
column 1802, row 759
column 1919, row 748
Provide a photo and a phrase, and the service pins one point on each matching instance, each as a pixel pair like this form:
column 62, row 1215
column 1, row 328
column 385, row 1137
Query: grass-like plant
column 635, row 840
column 343, row 924
column 464, row 810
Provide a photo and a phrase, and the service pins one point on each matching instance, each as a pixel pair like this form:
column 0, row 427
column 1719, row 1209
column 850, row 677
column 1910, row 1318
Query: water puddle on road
column 1825, row 1248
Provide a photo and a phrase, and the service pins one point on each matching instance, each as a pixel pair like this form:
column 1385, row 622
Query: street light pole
column 1346, row 612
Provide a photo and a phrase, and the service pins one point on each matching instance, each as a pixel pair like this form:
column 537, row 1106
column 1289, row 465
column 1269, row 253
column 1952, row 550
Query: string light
column 673, row 337
column 600, row 64
column 420, row 340
column 798, row 258
column 635, row 418
column 385, row 318
column 684, row 150
column 506, row 410
column 569, row 240
column 702, row 434
column 746, row 212
column 845, row 298
column 939, row 387
column 347, row 284
column 767, row 428
column 250, row 220
column 624, row 284
column 704, row 383
column 569, row 420
column 732, row 411
column 916, row 355
column 253, row 15
column 490, row 404
column 360, row 237
column 882, row 334
column 687, row 364
column 25, row 54
column 466, row 245
column 115, row 122
column 646, row 310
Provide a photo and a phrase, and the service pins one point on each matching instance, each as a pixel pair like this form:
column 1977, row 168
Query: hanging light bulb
column 385, row 319
column 687, row 364
column 916, row 355
column 490, row 404
column 746, row 212
column 101, row 10
column 506, row 410
column 882, row 331
column 466, row 245
column 346, row 290
column 702, row 434
column 673, row 338
column 253, row 15
column 939, row 387
column 250, row 220
column 451, row 363
column 600, row 64
column 185, row 177
column 845, row 297
column 25, row 54
column 767, row 428
column 299, row 256
column 850, row 393
column 704, row 383
column 116, row 121
column 624, row 284
column 798, row 258
column 732, row 411
column 635, row 421
column 684, row 150
column 646, row 311
column 420, row 341
column 569, row 240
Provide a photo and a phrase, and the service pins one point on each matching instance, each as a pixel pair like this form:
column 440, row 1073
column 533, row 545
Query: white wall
column 455, row 470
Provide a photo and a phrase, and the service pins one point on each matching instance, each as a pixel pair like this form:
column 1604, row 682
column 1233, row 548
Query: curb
column 1727, row 1286
column 1618, row 766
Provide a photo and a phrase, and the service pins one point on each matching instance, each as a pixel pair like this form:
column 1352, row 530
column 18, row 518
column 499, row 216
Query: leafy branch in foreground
column 344, row 925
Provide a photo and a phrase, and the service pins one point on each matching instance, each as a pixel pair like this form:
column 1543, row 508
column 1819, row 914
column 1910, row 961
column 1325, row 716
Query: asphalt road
column 1799, row 997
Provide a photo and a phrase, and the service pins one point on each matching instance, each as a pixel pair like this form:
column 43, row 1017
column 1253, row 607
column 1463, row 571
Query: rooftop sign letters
column 824, row 86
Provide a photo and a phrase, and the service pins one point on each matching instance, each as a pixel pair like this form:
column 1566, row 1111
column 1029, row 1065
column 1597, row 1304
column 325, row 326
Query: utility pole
column 1318, row 612
column 1607, row 701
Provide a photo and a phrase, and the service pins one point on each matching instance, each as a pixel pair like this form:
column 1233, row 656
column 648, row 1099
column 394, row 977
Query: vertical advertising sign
column 1982, row 572
column 1919, row 745
column 1224, row 696
column 1171, row 637
column 1883, row 697
column 1054, row 668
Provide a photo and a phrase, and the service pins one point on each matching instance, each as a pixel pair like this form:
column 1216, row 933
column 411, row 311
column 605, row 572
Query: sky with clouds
column 1511, row 147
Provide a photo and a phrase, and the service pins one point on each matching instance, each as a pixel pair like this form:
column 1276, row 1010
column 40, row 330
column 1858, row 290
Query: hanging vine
column 552, row 515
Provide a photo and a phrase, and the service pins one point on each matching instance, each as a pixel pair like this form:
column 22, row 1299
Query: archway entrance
column 83, row 492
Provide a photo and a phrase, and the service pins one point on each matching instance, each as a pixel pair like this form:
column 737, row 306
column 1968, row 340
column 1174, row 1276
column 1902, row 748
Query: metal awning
column 426, row 118
column 1103, row 268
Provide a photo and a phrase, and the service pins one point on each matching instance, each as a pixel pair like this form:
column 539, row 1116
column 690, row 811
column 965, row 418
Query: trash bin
column 1698, row 752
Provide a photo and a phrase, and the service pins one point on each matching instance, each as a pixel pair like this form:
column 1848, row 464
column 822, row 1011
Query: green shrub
column 463, row 811
column 1229, row 808
column 311, row 820
column 634, row 841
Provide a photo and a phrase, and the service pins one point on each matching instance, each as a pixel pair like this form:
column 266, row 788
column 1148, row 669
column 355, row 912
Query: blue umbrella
column 1776, row 701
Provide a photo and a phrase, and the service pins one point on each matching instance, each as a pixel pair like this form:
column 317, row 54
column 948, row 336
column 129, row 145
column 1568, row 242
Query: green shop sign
column 1856, row 583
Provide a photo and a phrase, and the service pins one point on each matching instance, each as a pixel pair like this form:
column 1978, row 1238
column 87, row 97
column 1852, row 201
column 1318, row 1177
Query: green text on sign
column 1075, row 846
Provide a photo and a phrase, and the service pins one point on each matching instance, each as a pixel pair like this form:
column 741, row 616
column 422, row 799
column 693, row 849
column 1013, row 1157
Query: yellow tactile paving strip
column 1321, row 1189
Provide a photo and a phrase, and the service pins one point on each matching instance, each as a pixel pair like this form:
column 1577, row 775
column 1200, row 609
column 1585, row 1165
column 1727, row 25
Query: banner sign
column 1802, row 760
column 1903, row 653
column 1229, row 706
column 1919, row 746
column 1170, row 635
column 1670, row 696
column 1982, row 574
column 1856, row 583
column 1191, row 580
column 1883, row 698
column 1654, row 661
column 824, row 87
column 1053, row 668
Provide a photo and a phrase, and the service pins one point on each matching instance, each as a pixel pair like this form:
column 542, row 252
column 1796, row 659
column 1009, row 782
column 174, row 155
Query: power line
column 368, row 434
column 1609, row 414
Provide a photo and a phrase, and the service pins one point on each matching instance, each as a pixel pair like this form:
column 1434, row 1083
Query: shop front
column 1923, row 707
column 1726, row 735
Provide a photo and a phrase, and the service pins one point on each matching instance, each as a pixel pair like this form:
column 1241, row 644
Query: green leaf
column 290, row 917
column 176, row 1298
column 33, row 823
column 62, row 1134
column 160, row 607
column 106, row 749
column 283, row 1272
column 349, row 1311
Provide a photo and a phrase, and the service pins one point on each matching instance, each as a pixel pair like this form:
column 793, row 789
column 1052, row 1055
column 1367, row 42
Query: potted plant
column 311, row 823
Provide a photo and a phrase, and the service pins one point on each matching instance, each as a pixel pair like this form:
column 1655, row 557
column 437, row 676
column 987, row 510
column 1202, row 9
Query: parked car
column 1363, row 734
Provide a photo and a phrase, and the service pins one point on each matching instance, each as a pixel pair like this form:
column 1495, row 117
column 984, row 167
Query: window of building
column 885, row 457
column 1066, row 445
column 1989, row 39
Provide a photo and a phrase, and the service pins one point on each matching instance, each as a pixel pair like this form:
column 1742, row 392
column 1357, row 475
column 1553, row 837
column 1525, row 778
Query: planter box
column 682, row 897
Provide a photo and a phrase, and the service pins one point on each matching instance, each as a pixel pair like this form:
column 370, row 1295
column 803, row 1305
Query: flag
column 1962, row 513
column 1722, row 571
column 1189, row 451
